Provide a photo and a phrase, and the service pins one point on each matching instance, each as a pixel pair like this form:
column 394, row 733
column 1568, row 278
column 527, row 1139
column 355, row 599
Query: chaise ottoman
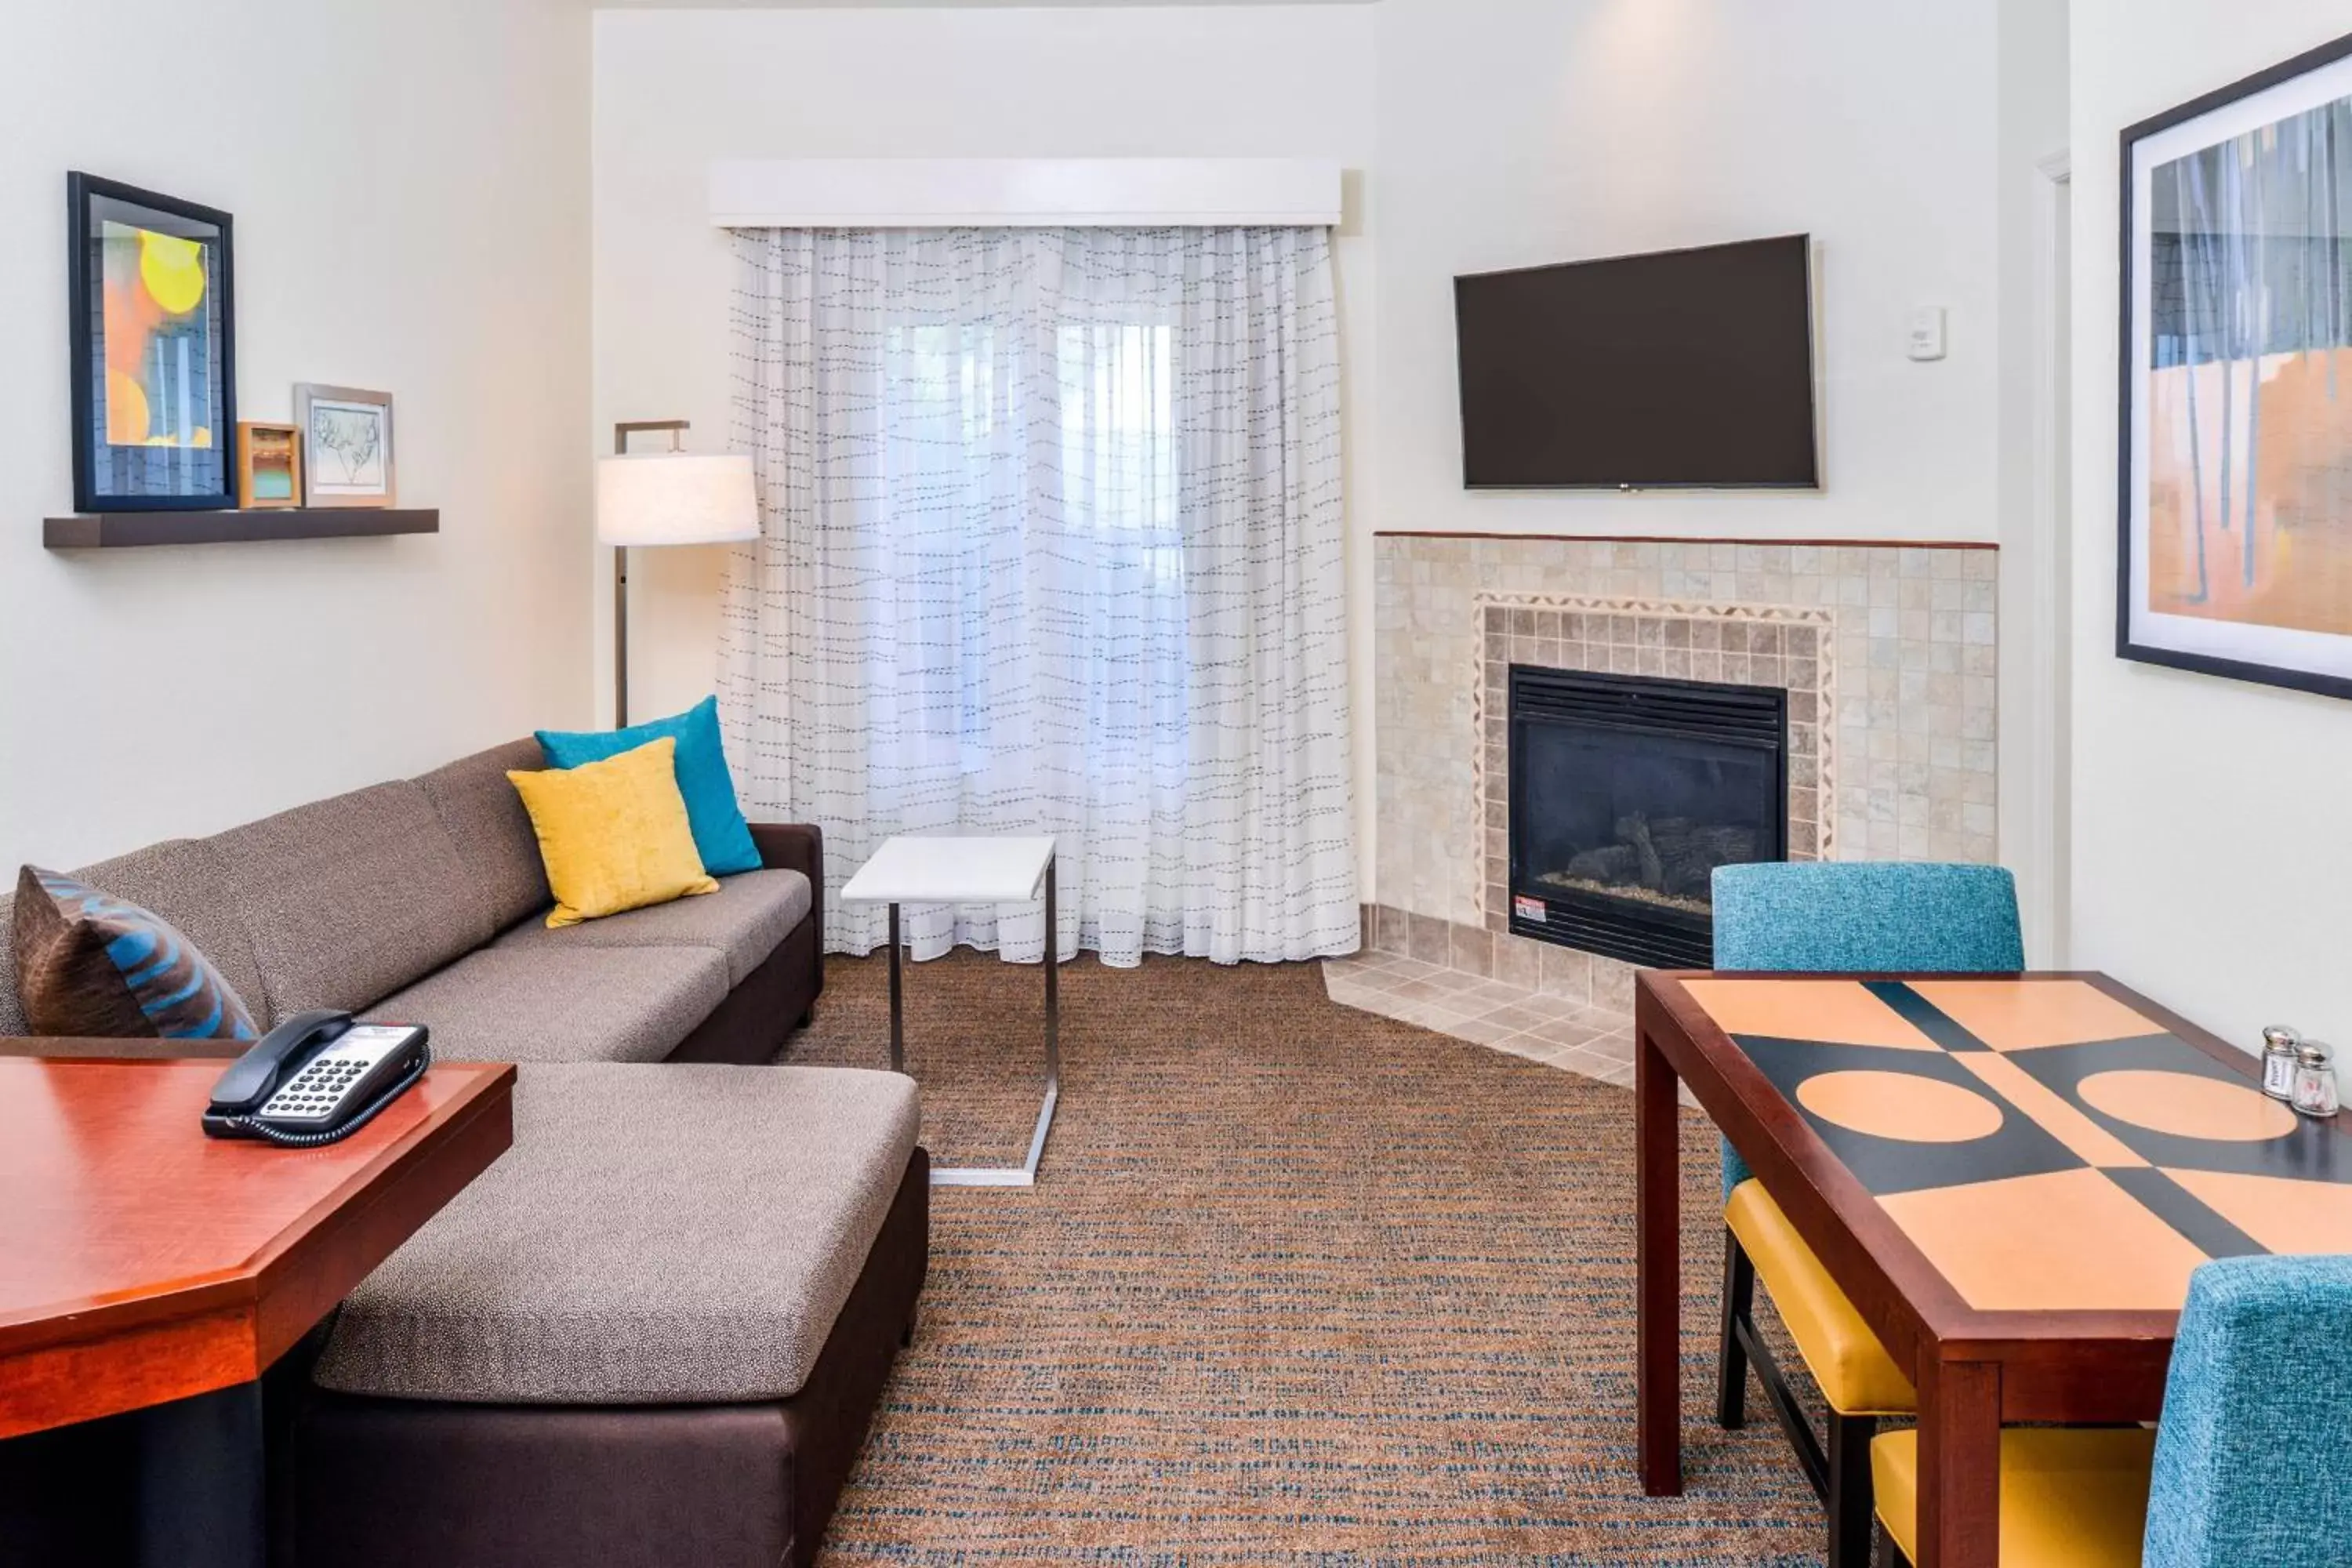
column 653, row 1333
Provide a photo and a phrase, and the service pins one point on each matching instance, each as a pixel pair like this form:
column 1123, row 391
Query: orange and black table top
column 2044, row 1144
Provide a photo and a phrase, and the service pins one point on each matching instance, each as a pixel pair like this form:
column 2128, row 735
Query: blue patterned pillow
column 91, row 964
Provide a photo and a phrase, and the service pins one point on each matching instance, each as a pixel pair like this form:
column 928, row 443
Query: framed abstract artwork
column 346, row 445
column 2235, row 552
column 154, row 367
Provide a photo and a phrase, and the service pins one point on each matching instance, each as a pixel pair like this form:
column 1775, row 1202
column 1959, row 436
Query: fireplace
column 1626, row 792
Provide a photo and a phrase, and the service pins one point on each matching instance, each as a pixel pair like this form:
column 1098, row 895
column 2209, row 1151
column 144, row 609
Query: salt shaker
column 2315, row 1081
column 2282, row 1058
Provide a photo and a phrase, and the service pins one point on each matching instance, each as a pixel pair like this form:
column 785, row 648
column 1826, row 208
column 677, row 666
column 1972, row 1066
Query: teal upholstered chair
column 2257, row 1409
column 1827, row 916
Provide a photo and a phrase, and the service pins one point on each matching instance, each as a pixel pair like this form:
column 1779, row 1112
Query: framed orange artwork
column 2235, row 553
column 153, row 374
column 269, row 464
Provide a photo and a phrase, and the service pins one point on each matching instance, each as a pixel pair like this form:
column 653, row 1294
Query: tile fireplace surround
column 1888, row 652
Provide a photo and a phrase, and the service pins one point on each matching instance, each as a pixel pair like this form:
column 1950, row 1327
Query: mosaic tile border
column 1789, row 646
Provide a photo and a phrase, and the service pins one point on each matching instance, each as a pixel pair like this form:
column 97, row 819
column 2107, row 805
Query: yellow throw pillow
column 614, row 833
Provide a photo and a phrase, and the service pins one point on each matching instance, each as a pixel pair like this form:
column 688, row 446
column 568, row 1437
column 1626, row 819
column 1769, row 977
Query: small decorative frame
column 268, row 465
column 153, row 366
column 347, row 446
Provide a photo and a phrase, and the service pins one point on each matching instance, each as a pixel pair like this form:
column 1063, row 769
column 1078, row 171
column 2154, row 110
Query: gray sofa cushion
column 564, row 1005
column 182, row 880
column 656, row 1235
column 485, row 818
column 351, row 898
column 746, row 920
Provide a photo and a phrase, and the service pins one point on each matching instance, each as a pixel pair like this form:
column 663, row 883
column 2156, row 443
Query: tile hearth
column 1560, row 1032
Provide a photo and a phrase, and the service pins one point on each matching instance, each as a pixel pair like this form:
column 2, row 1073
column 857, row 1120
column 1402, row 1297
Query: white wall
column 410, row 188
column 2030, row 147
column 1519, row 131
column 675, row 90
column 2212, row 864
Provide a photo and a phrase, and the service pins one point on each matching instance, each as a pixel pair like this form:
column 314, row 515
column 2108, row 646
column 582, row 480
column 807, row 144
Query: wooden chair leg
column 1731, row 1358
column 1851, row 1517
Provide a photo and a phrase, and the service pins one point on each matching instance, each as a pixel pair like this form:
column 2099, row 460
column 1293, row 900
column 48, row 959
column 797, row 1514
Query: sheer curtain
column 1051, row 544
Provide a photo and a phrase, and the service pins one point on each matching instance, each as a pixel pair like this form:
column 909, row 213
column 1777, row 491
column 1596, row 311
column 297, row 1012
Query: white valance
column 1023, row 193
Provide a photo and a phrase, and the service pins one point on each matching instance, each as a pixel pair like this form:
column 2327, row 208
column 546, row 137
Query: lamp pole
column 621, row 434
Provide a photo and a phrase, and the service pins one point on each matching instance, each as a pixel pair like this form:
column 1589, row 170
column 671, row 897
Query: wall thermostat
column 1928, row 332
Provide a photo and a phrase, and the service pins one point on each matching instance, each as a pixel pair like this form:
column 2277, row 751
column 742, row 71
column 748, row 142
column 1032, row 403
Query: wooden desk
column 2011, row 1177
column 144, row 1264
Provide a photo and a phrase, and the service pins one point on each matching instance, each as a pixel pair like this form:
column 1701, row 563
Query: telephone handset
column 316, row 1077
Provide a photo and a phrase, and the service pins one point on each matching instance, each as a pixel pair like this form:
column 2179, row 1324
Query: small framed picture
column 347, row 449
column 153, row 372
column 269, row 464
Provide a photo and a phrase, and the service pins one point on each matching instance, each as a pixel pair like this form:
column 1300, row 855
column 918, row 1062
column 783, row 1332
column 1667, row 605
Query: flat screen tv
column 1684, row 368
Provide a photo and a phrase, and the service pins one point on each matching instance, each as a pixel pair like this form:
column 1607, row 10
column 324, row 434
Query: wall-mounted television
column 1679, row 369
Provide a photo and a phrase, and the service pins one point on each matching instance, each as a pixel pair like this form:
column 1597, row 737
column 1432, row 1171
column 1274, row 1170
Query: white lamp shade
column 675, row 497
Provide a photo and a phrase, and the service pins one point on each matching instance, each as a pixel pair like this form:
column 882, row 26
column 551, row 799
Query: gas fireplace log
column 1636, row 830
column 1611, row 864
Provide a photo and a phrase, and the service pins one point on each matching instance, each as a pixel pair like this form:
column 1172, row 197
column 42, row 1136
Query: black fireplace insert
column 1626, row 792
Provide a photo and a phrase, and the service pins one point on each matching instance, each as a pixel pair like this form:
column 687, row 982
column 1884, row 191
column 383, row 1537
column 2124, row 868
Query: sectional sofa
column 655, row 1332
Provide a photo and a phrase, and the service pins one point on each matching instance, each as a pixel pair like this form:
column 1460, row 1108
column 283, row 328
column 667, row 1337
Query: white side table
column 976, row 870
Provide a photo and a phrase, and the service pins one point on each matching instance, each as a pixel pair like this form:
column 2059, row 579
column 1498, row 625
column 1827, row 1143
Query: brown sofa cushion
column 746, row 920
column 657, row 1235
column 484, row 819
column 564, row 1005
column 90, row 963
column 351, row 898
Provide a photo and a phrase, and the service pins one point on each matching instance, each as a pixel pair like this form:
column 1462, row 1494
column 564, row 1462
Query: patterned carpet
column 1300, row 1285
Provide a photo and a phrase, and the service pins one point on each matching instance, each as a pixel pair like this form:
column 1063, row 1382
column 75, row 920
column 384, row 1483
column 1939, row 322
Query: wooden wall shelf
column 124, row 530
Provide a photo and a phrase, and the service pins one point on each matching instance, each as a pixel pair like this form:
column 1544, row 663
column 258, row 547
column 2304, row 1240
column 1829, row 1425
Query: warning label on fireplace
column 1529, row 908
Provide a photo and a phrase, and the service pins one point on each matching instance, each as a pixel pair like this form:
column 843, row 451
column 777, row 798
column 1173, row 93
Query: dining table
column 2010, row 1176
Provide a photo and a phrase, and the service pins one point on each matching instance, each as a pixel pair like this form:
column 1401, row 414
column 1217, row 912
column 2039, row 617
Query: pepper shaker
column 2315, row 1081
column 2282, row 1058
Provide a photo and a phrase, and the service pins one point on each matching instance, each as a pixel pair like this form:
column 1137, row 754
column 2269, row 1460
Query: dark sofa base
column 750, row 1027
column 389, row 1483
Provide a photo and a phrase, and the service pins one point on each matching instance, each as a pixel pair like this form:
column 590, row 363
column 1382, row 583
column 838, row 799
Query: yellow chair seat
column 1856, row 1375
column 2069, row 1496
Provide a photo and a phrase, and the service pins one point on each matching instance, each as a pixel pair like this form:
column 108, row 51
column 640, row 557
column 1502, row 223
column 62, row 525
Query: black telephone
column 316, row 1077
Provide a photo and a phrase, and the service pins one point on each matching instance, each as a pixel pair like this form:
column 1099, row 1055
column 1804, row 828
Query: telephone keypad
column 317, row 1092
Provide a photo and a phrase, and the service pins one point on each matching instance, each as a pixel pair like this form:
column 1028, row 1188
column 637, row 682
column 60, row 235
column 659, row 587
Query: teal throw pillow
column 721, row 837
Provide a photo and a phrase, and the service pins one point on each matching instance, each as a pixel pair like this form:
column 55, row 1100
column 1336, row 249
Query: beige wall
column 1519, row 131
column 410, row 187
column 1483, row 133
column 1902, row 137
column 2212, row 866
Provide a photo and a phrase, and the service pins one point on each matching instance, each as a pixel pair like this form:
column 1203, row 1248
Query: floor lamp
column 676, row 497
